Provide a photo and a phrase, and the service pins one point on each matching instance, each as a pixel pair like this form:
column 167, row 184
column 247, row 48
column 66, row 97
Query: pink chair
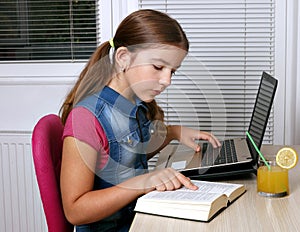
column 47, row 151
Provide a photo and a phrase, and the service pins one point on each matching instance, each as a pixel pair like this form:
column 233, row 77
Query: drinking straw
column 258, row 151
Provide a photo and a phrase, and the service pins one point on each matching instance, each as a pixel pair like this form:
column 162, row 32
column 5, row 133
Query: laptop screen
column 262, row 109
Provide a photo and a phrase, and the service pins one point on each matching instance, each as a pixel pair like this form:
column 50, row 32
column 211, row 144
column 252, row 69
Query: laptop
column 236, row 156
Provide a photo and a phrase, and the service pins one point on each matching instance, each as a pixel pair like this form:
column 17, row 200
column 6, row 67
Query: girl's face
column 150, row 72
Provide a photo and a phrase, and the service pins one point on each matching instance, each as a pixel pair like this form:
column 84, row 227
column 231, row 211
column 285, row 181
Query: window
column 231, row 43
column 47, row 30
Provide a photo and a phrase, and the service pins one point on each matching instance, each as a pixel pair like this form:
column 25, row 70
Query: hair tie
column 111, row 42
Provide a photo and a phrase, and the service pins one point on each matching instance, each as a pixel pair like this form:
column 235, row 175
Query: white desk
column 250, row 212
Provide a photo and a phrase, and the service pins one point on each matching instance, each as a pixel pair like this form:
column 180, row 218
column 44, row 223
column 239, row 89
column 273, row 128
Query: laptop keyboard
column 224, row 154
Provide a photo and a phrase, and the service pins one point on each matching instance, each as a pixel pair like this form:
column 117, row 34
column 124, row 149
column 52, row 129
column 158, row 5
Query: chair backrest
column 47, row 152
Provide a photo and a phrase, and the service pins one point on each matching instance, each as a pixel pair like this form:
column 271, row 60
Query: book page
column 206, row 192
column 215, row 187
column 184, row 195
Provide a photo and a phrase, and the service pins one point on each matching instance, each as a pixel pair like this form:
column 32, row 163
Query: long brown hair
column 139, row 28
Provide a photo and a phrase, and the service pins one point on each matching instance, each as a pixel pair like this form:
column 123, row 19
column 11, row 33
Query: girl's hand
column 187, row 136
column 162, row 180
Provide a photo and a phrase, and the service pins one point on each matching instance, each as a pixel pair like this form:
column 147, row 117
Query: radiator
column 20, row 203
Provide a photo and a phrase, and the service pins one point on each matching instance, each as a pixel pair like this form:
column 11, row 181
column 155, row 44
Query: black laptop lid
column 261, row 112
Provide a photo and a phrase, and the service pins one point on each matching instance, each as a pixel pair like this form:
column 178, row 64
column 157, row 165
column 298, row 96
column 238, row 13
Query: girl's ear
column 122, row 57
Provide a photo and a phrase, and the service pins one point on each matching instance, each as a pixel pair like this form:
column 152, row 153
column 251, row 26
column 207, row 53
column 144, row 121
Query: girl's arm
column 184, row 135
column 84, row 205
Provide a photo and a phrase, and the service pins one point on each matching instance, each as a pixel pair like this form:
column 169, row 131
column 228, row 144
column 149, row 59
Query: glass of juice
column 273, row 182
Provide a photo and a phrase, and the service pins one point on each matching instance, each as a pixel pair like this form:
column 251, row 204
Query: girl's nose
column 165, row 78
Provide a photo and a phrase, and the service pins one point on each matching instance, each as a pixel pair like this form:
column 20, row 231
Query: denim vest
column 128, row 132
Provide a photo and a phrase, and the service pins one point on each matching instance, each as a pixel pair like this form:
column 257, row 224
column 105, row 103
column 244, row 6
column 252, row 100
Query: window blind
column 47, row 30
column 231, row 43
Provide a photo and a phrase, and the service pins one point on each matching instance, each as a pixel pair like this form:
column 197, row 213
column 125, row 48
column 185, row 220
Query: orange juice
column 273, row 182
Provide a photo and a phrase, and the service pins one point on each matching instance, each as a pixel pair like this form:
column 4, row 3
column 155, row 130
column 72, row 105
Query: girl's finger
column 186, row 182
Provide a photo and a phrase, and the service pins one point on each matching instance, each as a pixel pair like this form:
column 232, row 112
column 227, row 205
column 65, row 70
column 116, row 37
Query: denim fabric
column 120, row 223
column 127, row 130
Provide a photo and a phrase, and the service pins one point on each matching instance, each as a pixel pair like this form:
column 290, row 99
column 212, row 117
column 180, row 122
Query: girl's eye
column 158, row 67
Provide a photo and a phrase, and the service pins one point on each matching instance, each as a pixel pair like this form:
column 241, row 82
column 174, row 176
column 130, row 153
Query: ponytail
column 96, row 74
column 155, row 112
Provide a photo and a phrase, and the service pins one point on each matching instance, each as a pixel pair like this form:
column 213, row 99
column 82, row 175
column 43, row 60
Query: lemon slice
column 286, row 158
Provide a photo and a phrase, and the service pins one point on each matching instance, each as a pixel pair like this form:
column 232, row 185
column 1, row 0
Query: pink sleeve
column 84, row 126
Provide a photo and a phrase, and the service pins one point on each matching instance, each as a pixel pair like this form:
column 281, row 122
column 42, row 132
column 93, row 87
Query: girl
column 113, row 124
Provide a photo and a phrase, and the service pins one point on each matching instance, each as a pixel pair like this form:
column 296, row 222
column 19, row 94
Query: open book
column 201, row 204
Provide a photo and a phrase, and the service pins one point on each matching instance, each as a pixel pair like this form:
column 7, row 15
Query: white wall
column 287, row 63
column 29, row 91
column 292, row 73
